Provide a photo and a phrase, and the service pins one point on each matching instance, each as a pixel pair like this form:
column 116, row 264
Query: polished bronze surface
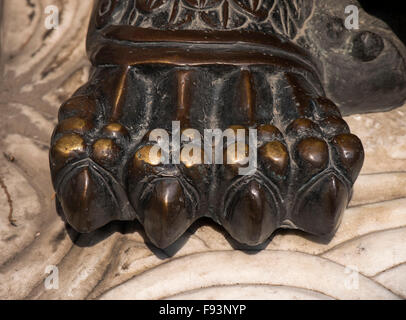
column 314, row 152
column 301, row 125
column 105, row 152
column 275, row 157
column 65, row 148
column 246, row 66
column 115, row 130
column 349, row 149
column 77, row 125
column 267, row 132
column 252, row 216
column 78, row 106
column 69, row 145
column 166, row 216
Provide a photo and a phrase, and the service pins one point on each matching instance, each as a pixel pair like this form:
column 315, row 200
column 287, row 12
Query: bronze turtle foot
column 156, row 62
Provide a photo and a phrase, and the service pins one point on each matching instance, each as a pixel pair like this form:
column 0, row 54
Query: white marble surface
column 205, row 263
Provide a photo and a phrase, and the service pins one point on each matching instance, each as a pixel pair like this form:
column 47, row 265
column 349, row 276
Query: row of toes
column 168, row 198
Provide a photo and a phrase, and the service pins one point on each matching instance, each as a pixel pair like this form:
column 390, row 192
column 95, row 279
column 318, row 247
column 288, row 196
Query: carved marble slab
column 365, row 260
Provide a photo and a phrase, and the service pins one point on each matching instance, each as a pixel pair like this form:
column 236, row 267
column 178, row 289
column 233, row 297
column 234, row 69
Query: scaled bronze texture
column 267, row 65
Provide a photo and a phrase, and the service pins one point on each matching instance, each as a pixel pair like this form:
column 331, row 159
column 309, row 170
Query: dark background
column 393, row 12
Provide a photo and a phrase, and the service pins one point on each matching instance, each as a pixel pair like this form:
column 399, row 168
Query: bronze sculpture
column 238, row 64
